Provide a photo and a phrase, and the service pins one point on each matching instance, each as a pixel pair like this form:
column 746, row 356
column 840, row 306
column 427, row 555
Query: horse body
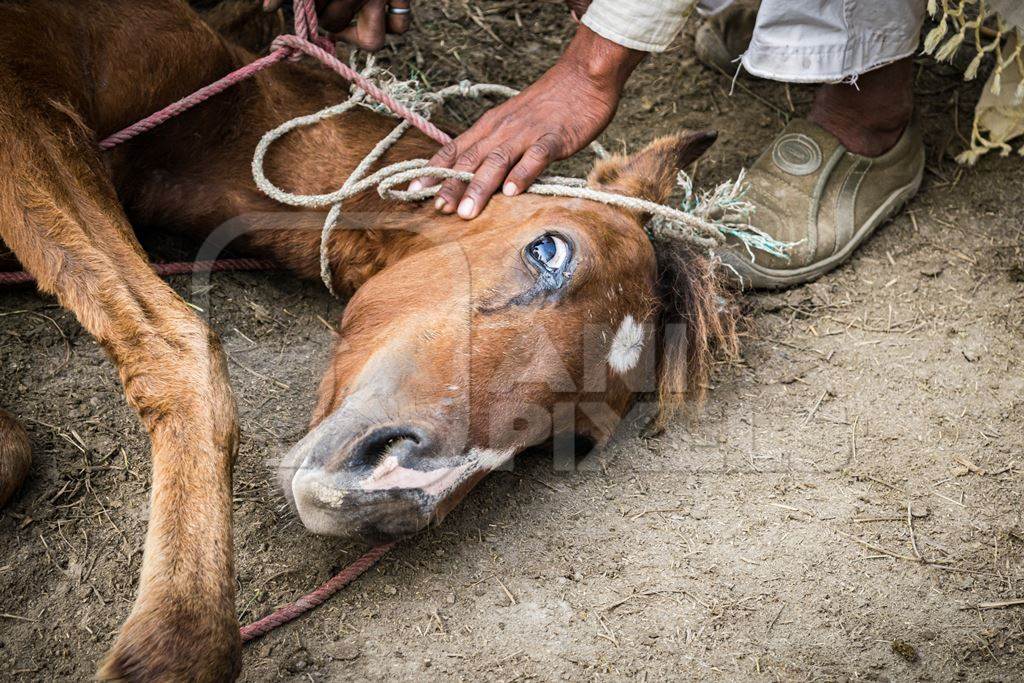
column 463, row 344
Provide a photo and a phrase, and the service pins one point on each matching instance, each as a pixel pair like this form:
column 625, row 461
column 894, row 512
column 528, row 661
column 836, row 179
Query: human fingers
column 337, row 15
column 368, row 31
column 488, row 177
column 452, row 189
column 399, row 16
column 545, row 150
column 449, row 154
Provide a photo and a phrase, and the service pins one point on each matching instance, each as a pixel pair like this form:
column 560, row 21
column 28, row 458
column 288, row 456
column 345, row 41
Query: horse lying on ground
column 463, row 344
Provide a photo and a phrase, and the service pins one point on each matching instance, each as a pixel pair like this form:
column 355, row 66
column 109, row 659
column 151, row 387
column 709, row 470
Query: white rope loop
column 273, row 191
column 684, row 225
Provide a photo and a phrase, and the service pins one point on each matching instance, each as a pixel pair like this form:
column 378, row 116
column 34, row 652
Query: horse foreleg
column 15, row 456
column 61, row 217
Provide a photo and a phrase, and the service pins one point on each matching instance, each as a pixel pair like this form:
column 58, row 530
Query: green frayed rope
column 727, row 208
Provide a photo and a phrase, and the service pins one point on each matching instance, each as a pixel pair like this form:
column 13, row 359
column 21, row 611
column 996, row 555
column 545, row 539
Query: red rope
column 313, row 600
column 15, row 277
column 284, row 46
column 186, row 103
column 306, row 40
column 18, row 277
column 218, row 266
column 329, row 60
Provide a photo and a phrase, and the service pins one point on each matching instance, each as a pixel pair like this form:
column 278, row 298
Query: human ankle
column 869, row 139
column 870, row 116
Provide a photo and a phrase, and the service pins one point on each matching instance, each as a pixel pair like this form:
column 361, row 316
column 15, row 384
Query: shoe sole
column 753, row 276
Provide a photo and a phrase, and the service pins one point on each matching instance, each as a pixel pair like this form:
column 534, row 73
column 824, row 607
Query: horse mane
column 697, row 323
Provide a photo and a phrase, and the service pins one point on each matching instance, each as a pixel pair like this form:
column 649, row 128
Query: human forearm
column 567, row 108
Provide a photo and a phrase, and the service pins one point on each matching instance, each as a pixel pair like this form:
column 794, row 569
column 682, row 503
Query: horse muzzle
column 378, row 482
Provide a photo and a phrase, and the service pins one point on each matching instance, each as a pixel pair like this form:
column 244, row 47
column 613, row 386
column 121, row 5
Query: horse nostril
column 370, row 450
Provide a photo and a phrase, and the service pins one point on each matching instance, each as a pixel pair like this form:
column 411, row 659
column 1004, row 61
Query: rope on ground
column 294, row 610
column 164, row 269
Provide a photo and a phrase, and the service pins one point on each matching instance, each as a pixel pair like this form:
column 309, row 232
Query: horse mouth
column 387, row 483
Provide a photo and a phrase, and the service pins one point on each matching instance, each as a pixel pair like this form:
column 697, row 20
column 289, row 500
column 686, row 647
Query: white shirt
column 648, row 25
column 819, row 41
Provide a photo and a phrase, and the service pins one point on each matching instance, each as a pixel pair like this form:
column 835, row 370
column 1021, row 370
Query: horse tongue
column 389, row 474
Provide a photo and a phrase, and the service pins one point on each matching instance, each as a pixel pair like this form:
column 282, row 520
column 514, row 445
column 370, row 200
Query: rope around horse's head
column 695, row 225
column 705, row 221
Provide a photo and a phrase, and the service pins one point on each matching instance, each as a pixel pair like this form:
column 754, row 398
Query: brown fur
column 72, row 73
column 652, row 174
column 15, row 456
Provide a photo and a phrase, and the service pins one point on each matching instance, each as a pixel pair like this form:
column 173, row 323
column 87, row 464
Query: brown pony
column 464, row 344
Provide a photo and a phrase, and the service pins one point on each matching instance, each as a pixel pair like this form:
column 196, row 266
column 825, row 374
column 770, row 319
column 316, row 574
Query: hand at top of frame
column 512, row 144
column 577, row 8
column 362, row 23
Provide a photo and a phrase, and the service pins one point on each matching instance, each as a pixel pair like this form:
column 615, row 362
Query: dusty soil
column 771, row 542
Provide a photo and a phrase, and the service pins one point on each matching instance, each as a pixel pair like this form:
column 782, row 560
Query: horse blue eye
column 544, row 249
column 550, row 252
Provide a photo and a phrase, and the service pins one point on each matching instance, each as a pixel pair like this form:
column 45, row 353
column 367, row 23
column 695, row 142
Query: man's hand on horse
column 362, row 23
column 512, row 144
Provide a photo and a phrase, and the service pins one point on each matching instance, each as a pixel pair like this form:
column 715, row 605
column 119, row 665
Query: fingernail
column 439, row 203
column 466, row 207
column 415, row 186
column 510, row 189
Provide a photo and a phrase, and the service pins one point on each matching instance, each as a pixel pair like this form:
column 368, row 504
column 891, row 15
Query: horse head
column 542, row 319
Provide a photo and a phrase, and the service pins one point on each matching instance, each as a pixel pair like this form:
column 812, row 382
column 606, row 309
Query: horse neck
column 192, row 173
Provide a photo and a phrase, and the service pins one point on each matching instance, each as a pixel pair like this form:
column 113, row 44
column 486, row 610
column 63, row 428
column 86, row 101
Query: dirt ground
column 772, row 542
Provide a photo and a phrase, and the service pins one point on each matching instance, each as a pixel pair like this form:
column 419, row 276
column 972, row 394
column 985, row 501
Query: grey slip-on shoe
column 808, row 189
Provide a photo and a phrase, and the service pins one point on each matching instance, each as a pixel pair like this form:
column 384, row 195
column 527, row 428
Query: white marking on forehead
column 627, row 345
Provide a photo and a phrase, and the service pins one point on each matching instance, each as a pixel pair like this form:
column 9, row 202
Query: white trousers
column 815, row 41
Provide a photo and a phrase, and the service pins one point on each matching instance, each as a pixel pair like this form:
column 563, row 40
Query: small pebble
column 905, row 650
column 343, row 651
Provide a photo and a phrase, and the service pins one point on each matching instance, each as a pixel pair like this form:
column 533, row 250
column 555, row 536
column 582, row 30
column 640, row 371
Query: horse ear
column 651, row 172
